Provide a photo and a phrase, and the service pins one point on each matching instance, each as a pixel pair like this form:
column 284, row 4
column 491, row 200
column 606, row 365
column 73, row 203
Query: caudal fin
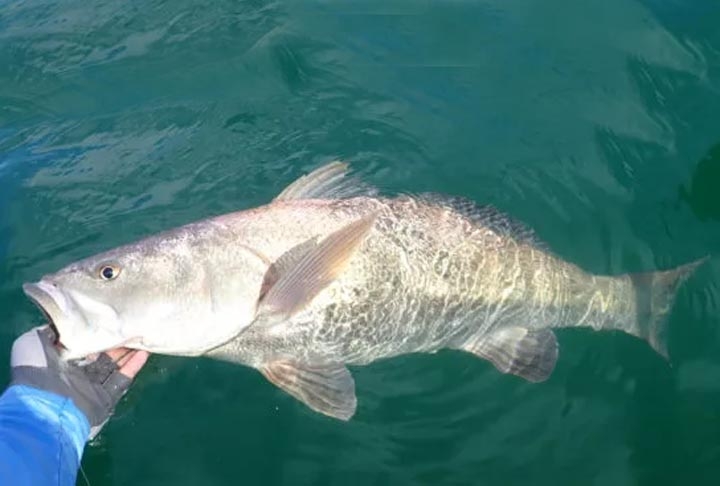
column 655, row 294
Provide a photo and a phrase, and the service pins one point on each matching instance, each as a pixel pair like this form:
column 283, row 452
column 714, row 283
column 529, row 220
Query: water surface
column 597, row 123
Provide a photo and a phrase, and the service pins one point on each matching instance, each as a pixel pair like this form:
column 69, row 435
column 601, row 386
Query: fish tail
column 655, row 294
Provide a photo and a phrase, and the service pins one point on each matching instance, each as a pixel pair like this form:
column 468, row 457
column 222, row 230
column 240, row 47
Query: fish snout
column 51, row 301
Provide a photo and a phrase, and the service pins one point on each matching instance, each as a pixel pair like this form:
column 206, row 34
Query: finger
column 122, row 360
column 40, row 328
column 27, row 350
column 134, row 363
column 120, row 355
column 117, row 353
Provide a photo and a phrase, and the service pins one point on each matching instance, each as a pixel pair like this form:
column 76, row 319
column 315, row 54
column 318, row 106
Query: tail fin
column 655, row 294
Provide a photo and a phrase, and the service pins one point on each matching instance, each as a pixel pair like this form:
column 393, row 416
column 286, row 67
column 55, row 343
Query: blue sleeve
column 42, row 436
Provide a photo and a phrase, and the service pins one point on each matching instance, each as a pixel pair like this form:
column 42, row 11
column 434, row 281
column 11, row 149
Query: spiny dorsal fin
column 312, row 272
column 328, row 389
column 519, row 351
column 330, row 181
column 488, row 216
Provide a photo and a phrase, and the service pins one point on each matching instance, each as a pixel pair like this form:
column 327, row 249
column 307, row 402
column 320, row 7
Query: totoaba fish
column 330, row 274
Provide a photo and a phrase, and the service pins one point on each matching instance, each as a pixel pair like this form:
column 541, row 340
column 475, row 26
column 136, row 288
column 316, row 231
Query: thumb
column 29, row 349
column 134, row 363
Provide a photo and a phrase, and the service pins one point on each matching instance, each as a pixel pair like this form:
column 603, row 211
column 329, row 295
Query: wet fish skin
column 179, row 292
column 441, row 273
column 330, row 274
column 428, row 278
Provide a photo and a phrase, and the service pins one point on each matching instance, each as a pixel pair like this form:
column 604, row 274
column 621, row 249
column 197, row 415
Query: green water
column 597, row 123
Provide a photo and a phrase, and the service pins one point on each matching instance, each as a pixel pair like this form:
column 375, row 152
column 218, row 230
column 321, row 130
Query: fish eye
column 109, row 272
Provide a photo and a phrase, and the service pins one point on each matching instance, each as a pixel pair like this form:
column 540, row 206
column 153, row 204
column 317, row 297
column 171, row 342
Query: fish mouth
column 66, row 313
column 49, row 300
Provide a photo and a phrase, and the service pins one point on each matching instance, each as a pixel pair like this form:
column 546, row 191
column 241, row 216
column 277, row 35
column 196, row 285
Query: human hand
column 95, row 386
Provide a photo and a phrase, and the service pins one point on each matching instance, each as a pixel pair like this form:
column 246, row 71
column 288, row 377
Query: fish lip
column 60, row 309
column 45, row 297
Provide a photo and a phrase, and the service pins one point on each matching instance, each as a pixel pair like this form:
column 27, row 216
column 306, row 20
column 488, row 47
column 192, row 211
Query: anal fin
column 519, row 351
column 328, row 389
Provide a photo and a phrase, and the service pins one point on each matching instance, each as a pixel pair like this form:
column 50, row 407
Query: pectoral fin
column 328, row 389
column 287, row 290
column 519, row 351
column 284, row 264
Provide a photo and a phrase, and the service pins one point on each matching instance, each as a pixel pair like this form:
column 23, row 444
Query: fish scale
column 330, row 274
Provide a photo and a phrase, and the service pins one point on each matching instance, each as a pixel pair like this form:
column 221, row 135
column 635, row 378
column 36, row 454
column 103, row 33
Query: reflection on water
column 590, row 121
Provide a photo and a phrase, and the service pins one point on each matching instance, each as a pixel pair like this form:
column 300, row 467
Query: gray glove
column 95, row 388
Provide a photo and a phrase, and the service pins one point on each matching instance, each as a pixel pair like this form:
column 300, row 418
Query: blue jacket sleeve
column 42, row 436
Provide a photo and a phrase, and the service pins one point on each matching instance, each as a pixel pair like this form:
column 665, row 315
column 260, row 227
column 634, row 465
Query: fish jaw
column 76, row 335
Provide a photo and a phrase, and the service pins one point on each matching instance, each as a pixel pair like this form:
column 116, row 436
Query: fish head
column 152, row 295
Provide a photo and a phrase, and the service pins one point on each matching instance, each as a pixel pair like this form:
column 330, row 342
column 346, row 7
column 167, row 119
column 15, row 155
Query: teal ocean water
column 597, row 123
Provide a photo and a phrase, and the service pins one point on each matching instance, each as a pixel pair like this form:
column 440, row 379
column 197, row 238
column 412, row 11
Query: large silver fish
column 329, row 274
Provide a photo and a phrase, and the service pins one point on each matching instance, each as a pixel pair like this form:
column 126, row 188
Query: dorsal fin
column 489, row 216
column 330, row 181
